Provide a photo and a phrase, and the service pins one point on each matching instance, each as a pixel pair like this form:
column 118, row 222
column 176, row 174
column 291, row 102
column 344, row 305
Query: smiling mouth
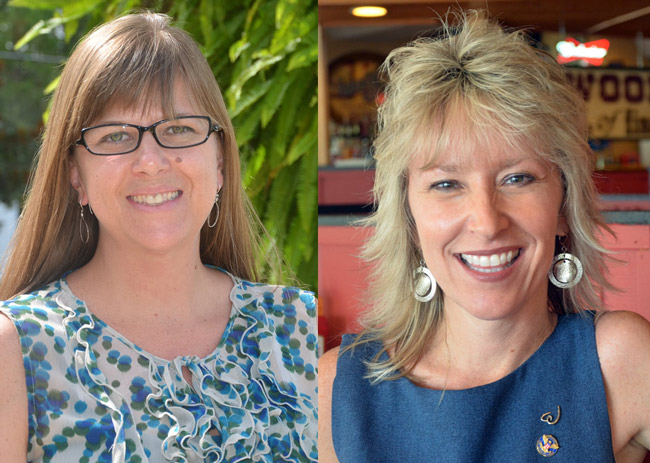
column 490, row 263
column 157, row 199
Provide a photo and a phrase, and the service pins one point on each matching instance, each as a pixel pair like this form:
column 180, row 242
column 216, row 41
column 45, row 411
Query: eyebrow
column 118, row 122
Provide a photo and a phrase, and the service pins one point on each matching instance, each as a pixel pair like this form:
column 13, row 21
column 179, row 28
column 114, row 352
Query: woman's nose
column 487, row 216
column 151, row 158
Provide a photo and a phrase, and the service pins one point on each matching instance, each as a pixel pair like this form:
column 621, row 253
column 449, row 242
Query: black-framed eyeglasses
column 181, row 132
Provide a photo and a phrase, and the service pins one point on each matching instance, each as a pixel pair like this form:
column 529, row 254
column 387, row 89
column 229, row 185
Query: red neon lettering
column 592, row 52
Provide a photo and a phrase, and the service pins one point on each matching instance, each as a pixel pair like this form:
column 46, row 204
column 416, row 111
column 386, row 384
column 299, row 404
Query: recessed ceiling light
column 369, row 11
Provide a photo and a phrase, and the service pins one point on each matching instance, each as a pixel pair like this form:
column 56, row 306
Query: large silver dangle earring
column 424, row 287
column 84, row 231
column 566, row 269
column 216, row 217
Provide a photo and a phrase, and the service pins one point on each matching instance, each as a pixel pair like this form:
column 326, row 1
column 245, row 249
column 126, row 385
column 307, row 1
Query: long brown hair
column 134, row 59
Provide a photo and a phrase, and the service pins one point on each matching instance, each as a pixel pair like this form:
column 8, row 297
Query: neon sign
column 591, row 52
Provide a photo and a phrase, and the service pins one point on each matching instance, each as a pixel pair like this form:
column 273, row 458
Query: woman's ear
column 77, row 182
column 220, row 169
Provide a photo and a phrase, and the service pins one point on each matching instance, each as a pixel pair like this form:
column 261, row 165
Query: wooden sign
column 618, row 101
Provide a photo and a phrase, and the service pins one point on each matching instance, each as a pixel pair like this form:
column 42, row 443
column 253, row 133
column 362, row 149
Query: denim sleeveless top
column 504, row 421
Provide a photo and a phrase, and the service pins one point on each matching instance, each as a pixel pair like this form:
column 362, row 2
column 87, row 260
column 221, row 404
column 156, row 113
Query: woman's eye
column 178, row 129
column 518, row 179
column 115, row 137
column 445, row 185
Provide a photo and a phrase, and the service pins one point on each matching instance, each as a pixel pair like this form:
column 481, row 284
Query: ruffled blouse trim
column 236, row 409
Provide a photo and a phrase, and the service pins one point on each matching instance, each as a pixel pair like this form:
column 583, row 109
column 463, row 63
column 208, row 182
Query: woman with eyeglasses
column 131, row 330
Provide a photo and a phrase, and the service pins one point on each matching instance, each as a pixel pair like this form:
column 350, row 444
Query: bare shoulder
column 327, row 366
column 326, row 375
column 12, row 358
column 623, row 339
column 13, row 400
column 623, row 342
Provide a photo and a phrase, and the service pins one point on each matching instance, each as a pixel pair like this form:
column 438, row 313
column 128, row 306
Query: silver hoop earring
column 566, row 270
column 216, row 217
column 425, row 286
column 83, row 226
column 91, row 209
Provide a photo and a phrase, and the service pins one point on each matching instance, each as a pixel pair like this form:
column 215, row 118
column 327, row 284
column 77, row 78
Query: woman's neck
column 469, row 352
column 156, row 284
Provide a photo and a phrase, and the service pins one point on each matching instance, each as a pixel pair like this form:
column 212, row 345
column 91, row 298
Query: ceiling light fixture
column 369, row 11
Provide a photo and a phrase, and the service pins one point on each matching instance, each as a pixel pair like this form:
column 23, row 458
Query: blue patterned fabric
column 96, row 397
column 397, row 421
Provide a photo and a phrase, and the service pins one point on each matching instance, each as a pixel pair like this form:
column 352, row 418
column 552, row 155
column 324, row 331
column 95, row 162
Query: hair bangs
column 467, row 124
column 140, row 75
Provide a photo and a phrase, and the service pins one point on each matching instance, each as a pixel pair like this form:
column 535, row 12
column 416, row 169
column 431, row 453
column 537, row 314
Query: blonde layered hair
column 131, row 61
column 504, row 89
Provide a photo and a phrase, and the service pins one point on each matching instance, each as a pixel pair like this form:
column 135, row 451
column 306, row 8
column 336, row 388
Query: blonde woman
column 130, row 331
column 473, row 350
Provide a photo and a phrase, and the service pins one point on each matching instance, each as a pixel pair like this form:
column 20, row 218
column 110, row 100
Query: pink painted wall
column 632, row 275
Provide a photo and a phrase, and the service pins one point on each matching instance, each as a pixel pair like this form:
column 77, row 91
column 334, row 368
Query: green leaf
column 246, row 125
column 281, row 81
column 52, row 85
column 180, row 11
column 286, row 36
column 36, row 4
column 236, row 87
column 307, row 196
column 303, row 143
column 205, row 19
column 254, row 164
column 46, row 113
column 41, row 27
column 258, row 184
column 252, row 11
column 77, row 10
column 71, row 28
column 304, row 56
column 295, row 243
column 237, row 48
column 220, row 11
column 225, row 36
column 260, row 30
column 291, row 110
column 278, row 207
column 251, row 96
column 31, row 33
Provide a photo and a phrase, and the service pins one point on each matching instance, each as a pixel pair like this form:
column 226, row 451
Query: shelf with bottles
column 351, row 143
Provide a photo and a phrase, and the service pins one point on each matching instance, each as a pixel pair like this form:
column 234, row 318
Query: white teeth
column 155, row 200
column 491, row 263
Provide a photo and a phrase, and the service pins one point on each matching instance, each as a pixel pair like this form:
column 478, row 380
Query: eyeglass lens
column 121, row 138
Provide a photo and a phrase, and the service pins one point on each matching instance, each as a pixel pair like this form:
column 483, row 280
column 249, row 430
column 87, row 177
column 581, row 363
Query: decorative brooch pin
column 548, row 418
column 547, row 445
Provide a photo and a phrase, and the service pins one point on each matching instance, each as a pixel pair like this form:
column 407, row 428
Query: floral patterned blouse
column 96, row 397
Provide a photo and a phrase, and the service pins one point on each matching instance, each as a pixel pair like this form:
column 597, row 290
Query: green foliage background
column 23, row 76
column 264, row 55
